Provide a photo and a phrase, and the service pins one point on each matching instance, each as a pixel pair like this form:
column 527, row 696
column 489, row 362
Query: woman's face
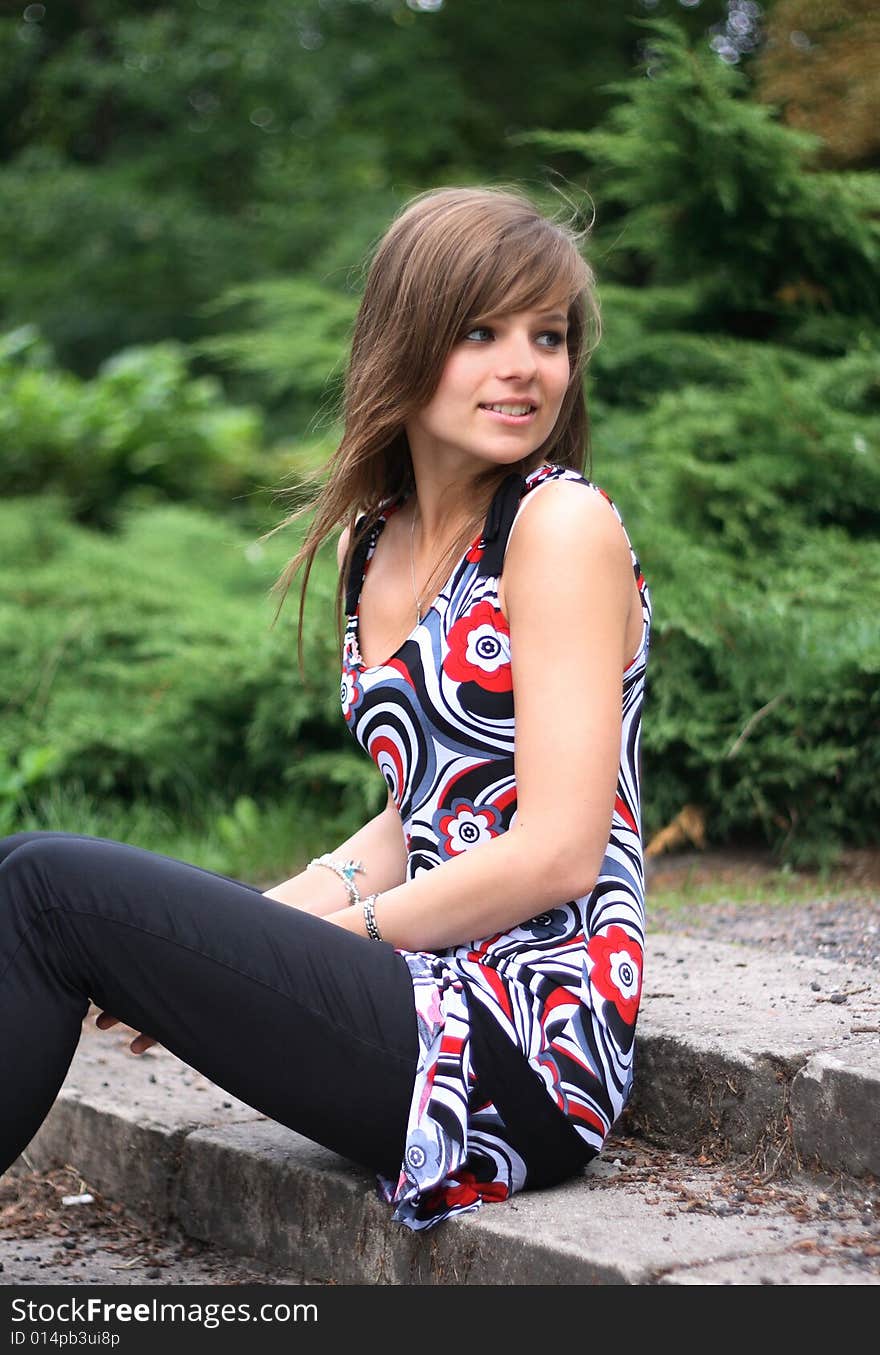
column 514, row 361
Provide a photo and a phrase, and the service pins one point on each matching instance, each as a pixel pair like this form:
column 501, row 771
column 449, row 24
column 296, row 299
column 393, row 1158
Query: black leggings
column 310, row 1024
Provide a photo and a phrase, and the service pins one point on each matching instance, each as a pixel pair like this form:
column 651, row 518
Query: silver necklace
column 412, row 570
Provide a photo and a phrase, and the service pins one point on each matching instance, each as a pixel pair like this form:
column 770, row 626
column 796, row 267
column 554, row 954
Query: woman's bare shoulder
column 342, row 546
column 563, row 521
column 569, row 505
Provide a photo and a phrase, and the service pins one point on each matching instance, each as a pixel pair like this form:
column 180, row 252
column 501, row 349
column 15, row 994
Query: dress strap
column 363, row 540
column 357, row 567
column 499, row 519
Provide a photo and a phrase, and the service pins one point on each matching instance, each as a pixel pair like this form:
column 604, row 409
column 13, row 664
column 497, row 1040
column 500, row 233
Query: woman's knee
column 35, row 865
column 27, row 884
column 10, row 844
column 44, row 878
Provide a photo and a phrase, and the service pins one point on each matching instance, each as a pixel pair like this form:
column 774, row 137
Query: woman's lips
column 513, row 419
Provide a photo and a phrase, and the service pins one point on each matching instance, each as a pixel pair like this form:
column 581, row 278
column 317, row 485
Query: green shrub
column 755, row 513
column 145, row 661
column 143, row 430
column 716, row 190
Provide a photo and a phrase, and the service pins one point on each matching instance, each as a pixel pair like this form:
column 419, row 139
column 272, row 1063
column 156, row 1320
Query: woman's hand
column 139, row 1045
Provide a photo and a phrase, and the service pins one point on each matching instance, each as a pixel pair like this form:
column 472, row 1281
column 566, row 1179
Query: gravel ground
column 837, row 919
column 44, row 1242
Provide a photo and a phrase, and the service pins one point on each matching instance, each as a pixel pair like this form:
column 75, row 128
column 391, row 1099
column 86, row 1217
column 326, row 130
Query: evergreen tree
column 699, row 184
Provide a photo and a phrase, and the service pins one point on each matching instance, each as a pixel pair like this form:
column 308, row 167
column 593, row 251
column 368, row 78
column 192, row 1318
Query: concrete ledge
column 737, row 1054
column 834, row 1104
column 123, row 1120
column 309, row 1210
column 263, row 1191
column 724, row 1034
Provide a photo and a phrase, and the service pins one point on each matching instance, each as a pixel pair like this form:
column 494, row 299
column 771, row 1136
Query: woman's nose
column 515, row 356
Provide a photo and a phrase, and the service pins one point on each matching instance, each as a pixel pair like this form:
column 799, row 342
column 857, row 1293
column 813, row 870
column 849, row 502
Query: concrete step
column 743, row 1051
column 748, row 1155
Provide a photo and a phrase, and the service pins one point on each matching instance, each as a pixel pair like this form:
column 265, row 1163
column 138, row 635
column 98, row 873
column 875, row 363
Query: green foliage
column 100, row 261
column 35, row 766
column 186, row 148
column 143, row 430
column 293, row 344
column 147, row 661
column 714, row 190
column 756, row 518
column 214, row 175
column 653, row 343
column 754, row 471
column 258, row 842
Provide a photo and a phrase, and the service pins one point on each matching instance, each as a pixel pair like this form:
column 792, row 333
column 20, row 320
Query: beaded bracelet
column 370, row 917
column 345, row 870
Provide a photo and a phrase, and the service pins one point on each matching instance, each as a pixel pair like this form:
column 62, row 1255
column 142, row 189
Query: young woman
column 465, row 1032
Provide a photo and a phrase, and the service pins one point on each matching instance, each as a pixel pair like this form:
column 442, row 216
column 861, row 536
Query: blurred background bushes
column 188, row 195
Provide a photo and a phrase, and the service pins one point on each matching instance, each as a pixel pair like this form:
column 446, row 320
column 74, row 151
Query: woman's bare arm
column 569, row 591
column 380, row 845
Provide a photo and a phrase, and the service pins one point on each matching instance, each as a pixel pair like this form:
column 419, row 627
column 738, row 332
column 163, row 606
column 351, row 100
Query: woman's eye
column 555, row 335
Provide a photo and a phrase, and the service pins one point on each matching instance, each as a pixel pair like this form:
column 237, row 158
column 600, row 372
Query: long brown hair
column 450, row 258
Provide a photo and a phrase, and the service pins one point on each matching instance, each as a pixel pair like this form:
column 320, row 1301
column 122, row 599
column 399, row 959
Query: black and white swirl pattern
column 437, row 718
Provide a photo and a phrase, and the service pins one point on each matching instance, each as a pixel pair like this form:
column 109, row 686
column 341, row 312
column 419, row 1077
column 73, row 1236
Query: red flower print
column 479, row 649
column 350, row 693
column 617, row 970
column 464, row 826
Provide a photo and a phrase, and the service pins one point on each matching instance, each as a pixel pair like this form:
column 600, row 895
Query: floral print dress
column 437, row 718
